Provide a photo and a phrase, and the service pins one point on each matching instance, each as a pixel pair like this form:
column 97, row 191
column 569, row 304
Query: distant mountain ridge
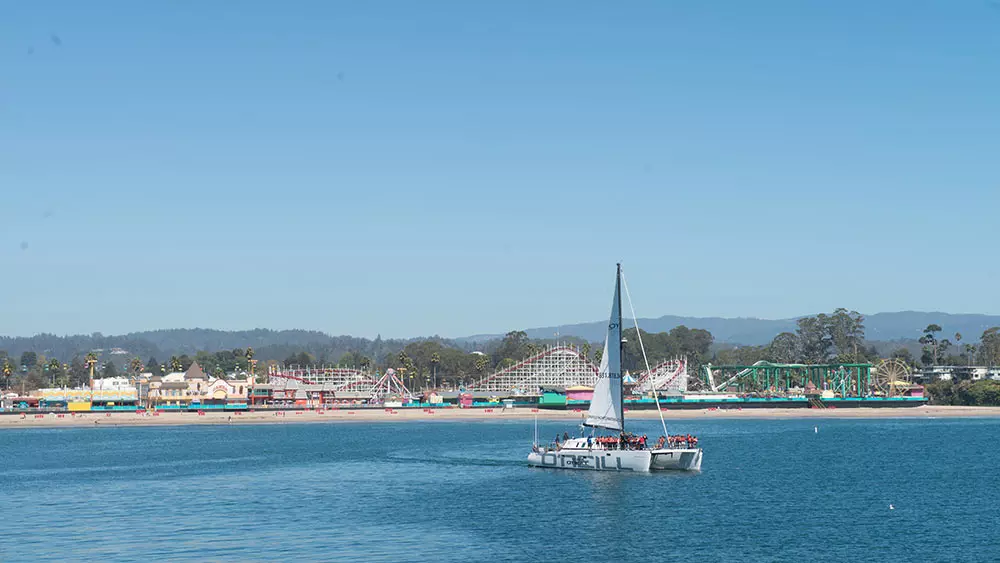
column 277, row 345
column 903, row 325
column 162, row 344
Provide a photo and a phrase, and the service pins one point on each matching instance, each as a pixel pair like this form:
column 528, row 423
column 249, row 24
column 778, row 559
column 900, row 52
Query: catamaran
column 621, row 451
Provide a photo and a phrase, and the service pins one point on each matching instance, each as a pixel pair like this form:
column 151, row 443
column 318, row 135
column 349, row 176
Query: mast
column 621, row 346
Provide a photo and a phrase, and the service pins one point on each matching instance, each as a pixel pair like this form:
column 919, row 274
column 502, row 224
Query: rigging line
column 638, row 335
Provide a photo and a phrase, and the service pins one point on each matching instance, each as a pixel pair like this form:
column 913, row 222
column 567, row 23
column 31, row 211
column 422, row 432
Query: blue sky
column 412, row 168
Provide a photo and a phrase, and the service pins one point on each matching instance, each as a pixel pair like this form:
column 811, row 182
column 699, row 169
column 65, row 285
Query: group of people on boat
column 630, row 441
column 624, row 441
column 683, row 441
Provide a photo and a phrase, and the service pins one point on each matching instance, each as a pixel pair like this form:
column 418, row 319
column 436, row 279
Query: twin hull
column 618, row 460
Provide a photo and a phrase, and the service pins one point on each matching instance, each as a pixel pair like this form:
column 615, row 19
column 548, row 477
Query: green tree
column 970, row 352
column 483, row 364
column 531, row 349
column 784, row 349
column 814, row 338
column 53, row 370
column 930, row 342
column 8, row 370
column 29, row 359
column 905, row 355
column 109, row 370
column 846, row 331
column 513, row 345
column 77, row 372
column 350, row 359
column 989, row 346
column 941, row 392
column 435, row 360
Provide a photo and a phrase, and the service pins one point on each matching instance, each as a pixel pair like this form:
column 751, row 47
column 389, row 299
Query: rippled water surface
column 770, row 490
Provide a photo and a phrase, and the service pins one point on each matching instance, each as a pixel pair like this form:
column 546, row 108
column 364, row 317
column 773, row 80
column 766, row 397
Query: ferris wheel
column 892, row 376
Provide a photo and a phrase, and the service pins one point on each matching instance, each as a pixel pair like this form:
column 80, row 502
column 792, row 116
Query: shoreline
column 90, row 419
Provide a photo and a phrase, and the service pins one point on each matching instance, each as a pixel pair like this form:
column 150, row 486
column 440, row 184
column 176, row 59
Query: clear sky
column 412, row 168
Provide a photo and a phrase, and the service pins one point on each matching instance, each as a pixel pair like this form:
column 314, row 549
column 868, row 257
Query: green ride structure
column 772, row 379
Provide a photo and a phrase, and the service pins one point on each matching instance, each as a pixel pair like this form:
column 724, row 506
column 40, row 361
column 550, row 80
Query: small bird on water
column 891, row 507
column 816, row 429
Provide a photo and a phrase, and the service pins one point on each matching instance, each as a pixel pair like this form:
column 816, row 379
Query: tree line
column 837, row 337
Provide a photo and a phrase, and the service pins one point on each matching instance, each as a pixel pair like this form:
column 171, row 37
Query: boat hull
column 676, row 460
column 617, row 460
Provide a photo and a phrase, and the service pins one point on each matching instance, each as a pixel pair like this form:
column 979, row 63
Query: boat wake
column 455, row 461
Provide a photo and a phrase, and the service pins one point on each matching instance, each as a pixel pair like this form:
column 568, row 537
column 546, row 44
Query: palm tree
column 435, row 360
column 365, row 362
column 970, row 351
column 251, row 364
column 585, row 350
column 53, row 369
column 137, row 365
column 90, row 361
column 175, row 363
column 598, row 355
column 7, row 371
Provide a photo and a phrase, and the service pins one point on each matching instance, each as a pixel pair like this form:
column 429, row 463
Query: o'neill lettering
column 597, row 462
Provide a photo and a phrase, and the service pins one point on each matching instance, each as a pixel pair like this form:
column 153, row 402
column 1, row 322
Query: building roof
column 156, row 379
column 195, row 372
column 174, row 385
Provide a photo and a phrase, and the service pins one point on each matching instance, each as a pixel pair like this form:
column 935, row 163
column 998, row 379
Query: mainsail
column 606, row 405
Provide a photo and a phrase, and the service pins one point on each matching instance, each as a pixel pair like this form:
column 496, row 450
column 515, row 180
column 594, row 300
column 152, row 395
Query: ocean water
column 770, row 490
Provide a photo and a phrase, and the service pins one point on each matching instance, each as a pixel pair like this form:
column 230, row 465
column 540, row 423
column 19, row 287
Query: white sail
column 606, row 405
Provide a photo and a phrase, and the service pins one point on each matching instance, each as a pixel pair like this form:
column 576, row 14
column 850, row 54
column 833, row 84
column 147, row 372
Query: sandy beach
column 395, row 415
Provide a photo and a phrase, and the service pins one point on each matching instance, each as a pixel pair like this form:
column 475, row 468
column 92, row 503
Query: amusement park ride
column 888, row 378
column 564, row 366
column 555, row 367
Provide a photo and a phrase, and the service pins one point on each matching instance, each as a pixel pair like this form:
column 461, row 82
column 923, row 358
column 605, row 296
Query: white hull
column 676, row 459
column 601, row 459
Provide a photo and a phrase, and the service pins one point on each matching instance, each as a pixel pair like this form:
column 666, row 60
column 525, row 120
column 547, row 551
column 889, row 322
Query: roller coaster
column 566, row 366
column 888, row 378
